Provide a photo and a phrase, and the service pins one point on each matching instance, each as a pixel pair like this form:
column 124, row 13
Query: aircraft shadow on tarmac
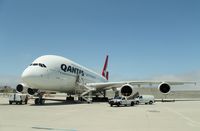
column 46, row 104
column 58, row 103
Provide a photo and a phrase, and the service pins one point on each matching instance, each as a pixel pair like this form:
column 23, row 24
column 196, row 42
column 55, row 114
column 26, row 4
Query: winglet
column 105, row 73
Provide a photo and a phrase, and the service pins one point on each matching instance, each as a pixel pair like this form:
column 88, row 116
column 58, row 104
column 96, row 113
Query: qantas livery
column 56, row 73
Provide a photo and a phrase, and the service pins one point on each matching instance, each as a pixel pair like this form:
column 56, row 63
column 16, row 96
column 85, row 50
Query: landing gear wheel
column 42, row 101
column 37, row 101
column 151, row 102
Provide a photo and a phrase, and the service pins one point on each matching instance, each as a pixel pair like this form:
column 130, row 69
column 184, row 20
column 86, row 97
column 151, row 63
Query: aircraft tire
column 132, row 103
column 150, row 102
column 37, row 101
column 42, row 101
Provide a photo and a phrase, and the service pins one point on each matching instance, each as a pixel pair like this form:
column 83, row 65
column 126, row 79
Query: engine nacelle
column 32, row 91
column 165, row 88
column 127, row 90
column 21, row 87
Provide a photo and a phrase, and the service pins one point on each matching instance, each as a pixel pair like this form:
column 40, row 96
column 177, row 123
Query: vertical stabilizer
column 105, row 73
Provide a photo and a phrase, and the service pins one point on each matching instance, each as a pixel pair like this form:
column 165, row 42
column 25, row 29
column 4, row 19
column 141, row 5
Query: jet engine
column 127, row 90
column 32, row 91
column 21, row 87
column 165, row 88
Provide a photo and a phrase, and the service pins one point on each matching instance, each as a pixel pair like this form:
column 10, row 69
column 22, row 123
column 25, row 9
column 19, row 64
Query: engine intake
column 164, row 88
column 32, row 91
column 126, row 90
column 19, row 87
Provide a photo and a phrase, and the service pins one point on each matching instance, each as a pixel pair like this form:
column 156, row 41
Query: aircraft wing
column 114, row 85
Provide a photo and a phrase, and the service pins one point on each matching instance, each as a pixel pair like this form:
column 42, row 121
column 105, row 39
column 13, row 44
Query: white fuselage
column 57, row 73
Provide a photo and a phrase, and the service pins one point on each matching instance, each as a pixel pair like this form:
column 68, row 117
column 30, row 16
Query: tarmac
column 56, row 116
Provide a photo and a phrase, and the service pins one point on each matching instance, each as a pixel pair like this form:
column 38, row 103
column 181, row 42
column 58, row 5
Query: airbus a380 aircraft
column 56, row 73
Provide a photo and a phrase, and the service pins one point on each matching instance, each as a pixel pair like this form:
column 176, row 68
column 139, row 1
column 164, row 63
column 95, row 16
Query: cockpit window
column 44, row 66
column 39, row 64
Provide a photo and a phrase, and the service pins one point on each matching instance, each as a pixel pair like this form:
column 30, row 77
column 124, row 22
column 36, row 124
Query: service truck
column 144, row 99
column 121, row 101
column 18, row 98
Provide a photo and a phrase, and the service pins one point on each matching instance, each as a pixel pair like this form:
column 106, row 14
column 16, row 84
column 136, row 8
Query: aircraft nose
column 32, row 75
column 28, row 75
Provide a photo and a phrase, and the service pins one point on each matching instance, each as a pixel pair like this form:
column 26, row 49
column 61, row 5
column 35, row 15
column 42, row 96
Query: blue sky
column 144, row 38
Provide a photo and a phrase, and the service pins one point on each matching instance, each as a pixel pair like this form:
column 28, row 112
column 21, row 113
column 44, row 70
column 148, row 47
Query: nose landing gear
column 40, row 100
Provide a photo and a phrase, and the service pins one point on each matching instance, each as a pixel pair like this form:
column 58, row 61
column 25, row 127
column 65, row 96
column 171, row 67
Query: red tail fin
column 105, row 73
